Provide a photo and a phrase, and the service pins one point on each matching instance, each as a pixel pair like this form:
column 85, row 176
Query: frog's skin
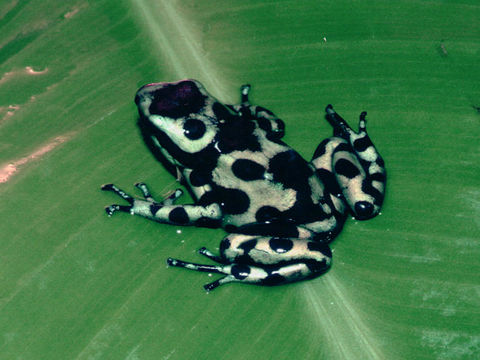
column 280, row 210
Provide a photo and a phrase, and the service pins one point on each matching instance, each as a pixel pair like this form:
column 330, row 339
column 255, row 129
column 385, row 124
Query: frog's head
column 180, row 118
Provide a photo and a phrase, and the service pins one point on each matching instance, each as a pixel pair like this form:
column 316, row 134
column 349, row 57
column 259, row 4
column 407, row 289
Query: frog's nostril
column 363, row 210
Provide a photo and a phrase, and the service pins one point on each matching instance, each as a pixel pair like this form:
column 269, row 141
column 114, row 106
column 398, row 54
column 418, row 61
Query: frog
column 279, row 210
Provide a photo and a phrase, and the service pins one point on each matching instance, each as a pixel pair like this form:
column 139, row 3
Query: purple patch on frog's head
column 174, row 100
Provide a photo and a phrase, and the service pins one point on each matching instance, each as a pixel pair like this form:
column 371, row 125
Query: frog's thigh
column 322, row 158
column 335, row 156
column 315, row 257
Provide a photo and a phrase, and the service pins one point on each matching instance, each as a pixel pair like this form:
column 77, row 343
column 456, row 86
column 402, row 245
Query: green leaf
column 76, row 284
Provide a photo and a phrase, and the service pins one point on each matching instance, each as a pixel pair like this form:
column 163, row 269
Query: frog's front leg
column 263, row 260
column 267, row 120
column 165, row 211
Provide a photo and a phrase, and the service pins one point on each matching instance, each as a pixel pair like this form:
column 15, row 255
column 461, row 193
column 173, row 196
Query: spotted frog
column 280, row 211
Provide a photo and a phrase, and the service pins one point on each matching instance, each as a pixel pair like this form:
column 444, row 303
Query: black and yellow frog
column 281, row 211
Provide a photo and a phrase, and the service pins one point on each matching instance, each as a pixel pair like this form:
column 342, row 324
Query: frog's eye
column 194, row 129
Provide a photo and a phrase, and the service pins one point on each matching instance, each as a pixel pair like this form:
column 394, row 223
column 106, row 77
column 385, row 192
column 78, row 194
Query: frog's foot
column 169, row 200
column 340, row 126
column 110, row 210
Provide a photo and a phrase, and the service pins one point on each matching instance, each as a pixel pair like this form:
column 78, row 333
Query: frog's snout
column 140, row 92
column 137, row 99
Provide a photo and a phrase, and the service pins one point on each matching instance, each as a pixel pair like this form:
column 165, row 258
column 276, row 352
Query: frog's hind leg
column 263, row 260
column 358, row 168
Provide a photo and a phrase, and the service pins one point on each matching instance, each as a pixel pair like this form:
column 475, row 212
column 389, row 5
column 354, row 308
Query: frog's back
column 264, row 183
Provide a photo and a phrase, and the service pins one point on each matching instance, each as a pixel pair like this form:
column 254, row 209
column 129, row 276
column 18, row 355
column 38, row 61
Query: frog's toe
column 207, row 253
column 362, row 124
column 141, row 185
column 118, row 191
column 170, row 200
column 213, row 285
column 110, row 210
column 171, row 262
column 340, row 126
column 107, row 187
column 145, row 191
column 244, row 90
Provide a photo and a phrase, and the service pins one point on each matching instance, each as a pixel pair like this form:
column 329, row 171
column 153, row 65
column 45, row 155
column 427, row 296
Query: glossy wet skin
column 246, row 180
